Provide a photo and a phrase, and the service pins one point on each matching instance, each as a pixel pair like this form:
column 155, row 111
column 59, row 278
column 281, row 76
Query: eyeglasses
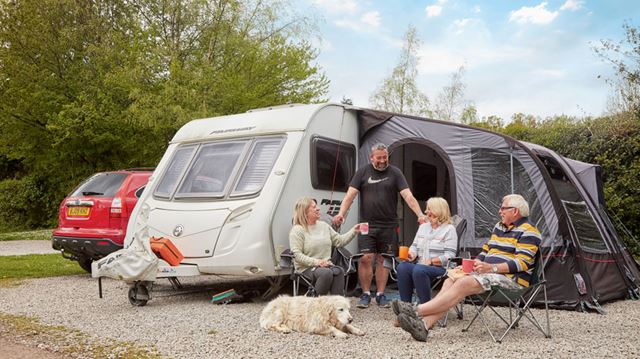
column 506, row 208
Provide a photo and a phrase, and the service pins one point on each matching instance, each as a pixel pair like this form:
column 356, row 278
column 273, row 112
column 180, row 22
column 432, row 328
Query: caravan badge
column 178, row 230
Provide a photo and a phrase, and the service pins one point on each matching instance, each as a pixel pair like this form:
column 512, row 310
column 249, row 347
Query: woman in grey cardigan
column 310, row 241
column 435, row 243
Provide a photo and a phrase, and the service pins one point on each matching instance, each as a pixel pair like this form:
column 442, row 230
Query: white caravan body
column 224, row 191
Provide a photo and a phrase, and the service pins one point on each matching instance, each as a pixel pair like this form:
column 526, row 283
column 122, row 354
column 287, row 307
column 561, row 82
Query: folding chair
column 286, row 262
column 340, row 257
column 519, row 302
column 460, row 225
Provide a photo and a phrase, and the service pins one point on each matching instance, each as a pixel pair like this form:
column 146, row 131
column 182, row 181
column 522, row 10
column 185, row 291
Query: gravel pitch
column 187, row 325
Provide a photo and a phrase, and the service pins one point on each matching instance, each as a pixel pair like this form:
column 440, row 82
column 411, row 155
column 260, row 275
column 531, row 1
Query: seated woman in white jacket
column 435, row 243
column 310, row 241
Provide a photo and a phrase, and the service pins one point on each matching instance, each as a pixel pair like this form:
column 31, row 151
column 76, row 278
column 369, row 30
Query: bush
column 25, row 204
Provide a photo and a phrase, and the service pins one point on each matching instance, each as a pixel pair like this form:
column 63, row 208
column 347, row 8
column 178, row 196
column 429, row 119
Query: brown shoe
column 413, row 326
column 400, row 307
column 396, row 323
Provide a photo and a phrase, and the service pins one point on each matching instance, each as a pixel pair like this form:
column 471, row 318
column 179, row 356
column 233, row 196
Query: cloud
column 572, row 5
column 433, row 10
column 371, row 18
column 337, row 6
column 534, row 15
column 460, row 24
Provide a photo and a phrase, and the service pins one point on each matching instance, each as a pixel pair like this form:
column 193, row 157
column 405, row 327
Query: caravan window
column 211, row 170
column 333, row 164
column 174, row 172
column 261, row 161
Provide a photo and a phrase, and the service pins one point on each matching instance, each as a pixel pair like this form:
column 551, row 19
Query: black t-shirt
column 379, row 194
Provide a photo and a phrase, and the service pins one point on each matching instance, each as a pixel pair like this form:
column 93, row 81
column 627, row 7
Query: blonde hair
column 517, row 201
column 300, row 211
column 440, row 209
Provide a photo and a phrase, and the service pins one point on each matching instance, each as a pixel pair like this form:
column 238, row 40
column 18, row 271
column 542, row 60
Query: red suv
column 92, row 220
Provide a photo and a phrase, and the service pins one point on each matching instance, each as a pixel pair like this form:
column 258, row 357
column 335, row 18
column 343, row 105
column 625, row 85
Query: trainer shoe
column 382, row 301
column 413, row 326
column 364, row 301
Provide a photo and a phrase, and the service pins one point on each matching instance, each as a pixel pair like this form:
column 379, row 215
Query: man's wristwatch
column 494, row 268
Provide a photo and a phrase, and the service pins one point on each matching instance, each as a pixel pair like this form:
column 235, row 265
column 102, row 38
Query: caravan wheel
column 138, row 294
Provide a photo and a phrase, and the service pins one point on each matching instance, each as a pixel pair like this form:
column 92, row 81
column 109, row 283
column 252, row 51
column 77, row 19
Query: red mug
column 364, row 228
column 467, row 265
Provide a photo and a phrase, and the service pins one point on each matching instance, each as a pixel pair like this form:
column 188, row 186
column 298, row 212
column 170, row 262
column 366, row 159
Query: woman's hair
column 517, row 201
column 300, row 211
column 440, row 209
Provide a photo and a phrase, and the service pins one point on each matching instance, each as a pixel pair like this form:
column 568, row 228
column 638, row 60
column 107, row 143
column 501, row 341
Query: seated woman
column 310, row 241
column 435, row 243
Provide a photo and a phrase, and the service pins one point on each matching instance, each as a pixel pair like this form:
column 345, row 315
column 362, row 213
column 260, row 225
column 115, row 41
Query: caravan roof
column 263, row 121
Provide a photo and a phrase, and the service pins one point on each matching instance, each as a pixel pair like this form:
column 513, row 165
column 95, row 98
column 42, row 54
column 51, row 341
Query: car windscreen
column 100, row 185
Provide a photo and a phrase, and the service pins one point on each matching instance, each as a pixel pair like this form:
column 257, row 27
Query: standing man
column 379, row 185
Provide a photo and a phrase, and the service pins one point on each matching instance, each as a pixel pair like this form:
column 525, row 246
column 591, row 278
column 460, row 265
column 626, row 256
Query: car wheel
column 85, row 263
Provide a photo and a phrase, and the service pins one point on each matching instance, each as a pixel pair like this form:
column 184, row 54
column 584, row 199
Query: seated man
column 506, row 260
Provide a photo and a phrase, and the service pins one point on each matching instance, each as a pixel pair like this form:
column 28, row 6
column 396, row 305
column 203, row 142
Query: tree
column 624, row 55
column 469, row 114
column 105, row 84
column 451, row 104
column 399, row 92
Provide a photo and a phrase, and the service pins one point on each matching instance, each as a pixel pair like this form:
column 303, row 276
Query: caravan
column 223, row 192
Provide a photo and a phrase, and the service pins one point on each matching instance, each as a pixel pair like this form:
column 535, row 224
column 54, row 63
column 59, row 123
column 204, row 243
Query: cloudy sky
column 533, row 57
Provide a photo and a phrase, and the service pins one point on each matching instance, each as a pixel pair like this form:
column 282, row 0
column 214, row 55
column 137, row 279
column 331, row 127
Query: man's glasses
column 506, row 208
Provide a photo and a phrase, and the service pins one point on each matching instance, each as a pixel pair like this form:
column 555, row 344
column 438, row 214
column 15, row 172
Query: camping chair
column 519, row 302
column 286, row 262
column 340, row 257
column 460, row 225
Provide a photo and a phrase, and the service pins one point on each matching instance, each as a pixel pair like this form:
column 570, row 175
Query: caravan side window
column 333, row 163
column 254, row 175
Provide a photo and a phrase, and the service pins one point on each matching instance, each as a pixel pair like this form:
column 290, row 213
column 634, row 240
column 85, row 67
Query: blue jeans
column 418, row 276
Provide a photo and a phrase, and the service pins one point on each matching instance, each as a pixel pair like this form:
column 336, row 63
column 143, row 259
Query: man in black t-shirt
column 378, row 184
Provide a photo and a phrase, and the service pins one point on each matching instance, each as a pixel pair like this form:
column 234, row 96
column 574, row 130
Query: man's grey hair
column 517, row 201
column 379, row 146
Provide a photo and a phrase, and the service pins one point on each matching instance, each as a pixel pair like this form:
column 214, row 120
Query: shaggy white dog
column 325, row 315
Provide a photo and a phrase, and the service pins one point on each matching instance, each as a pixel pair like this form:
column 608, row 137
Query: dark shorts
column 379, row 240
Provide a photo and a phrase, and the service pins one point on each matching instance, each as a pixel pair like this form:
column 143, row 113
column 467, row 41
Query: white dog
column 325, row 315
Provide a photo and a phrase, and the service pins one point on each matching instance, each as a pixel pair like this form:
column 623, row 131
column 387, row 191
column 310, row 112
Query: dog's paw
column 341, row 335
column 283, row 329
column 356, row 331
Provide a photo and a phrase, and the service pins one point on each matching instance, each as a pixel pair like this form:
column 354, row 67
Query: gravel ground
column 22, row 247
column 187, row 325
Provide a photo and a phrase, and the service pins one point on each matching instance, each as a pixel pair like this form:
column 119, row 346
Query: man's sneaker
column 364, row 301
column 382, row 301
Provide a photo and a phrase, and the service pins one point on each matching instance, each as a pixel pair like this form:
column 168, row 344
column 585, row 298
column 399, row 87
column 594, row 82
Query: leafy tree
column 624, row 55
column 104, row 84
column 469, row 114
column 451, row 104
column 399, row 92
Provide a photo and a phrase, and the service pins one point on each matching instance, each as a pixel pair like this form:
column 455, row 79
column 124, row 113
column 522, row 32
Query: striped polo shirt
column 515, row 245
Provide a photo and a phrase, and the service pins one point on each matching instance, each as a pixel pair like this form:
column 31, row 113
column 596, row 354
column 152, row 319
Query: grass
column 36, row 266
column 70, row 341
column 39, row 235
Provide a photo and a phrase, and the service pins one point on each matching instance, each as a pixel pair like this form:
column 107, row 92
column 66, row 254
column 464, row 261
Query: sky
column 533, row 57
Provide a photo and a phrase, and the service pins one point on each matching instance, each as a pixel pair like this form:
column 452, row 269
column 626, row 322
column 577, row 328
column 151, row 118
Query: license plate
column 78, row 211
